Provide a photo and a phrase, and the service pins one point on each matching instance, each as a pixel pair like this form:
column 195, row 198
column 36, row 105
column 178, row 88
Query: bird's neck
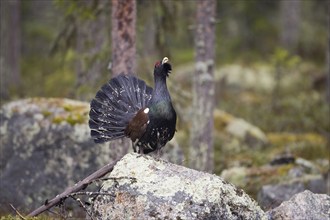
column 160, row 92
column 160, row 104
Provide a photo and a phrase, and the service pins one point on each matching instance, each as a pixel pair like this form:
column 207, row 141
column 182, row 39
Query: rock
column 296, row 172
column 271, row 185
column 239, row 128
column 245, row 130
column 305, row 205
column 141, row 187
column 307, row 165
column 46, row 147
column 271, row 196
column 317, row 184
column 302, row 175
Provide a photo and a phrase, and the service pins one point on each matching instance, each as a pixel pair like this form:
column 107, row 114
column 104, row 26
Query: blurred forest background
column 62, row 48
column 271, row 67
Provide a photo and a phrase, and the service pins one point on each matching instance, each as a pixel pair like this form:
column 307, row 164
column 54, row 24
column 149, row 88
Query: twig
column 77, row 187
column 62, row 216
column 17, row 212
column 83, row 206
column 114, row 178
column 119, row 178
column 91, row 194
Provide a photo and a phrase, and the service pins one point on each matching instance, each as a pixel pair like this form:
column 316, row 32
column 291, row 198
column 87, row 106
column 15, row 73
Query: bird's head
column 162, row 68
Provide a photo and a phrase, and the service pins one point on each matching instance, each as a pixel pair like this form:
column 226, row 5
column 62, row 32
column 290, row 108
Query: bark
column 10, row 47
column 328, row 57
column 201, row 152
column 123, row 35
column 290, row 21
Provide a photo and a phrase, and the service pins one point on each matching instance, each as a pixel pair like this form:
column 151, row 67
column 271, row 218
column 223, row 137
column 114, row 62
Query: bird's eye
column 157, row 64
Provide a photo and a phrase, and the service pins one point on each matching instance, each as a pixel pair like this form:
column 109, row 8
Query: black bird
column 127, row 107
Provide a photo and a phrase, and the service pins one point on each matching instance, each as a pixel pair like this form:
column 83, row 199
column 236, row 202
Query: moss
column 72, row 119
column 57, row 120
column 311, row 151
column 259, row 176
column 69, row 111
column 68, row 108
column 309, row 146
column 77, row 109
column 284, row 169
column 46, row 113
column 221, row 120
column 75, row 119
column 285, row 138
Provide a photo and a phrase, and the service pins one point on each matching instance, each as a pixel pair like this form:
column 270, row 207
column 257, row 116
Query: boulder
column 238, row 128
column 46, row 147
column 304, row 205
column 272, row 195
column 141, row 187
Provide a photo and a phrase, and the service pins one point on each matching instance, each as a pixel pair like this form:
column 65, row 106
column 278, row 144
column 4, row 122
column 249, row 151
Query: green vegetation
column 297, row 124
column 299, row 108
column 247, row 33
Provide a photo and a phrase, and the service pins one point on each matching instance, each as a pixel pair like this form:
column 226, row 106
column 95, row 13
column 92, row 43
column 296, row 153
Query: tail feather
column 105, row 116
column 115, row 104
column 143, row 97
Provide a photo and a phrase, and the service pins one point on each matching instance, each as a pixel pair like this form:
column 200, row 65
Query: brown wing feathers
column 138, row 125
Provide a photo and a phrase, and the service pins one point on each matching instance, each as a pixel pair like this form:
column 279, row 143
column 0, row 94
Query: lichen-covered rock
column 141, row 187
column 45, row 147
column 240, row 129
column 304, row 205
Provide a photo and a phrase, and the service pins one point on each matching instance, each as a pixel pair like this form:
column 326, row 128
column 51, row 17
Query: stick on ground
column 76, row 188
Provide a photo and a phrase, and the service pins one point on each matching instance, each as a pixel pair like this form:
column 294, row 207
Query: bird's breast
column 163, row 111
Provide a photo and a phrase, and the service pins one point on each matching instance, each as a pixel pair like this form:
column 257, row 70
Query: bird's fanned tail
column 115, row 104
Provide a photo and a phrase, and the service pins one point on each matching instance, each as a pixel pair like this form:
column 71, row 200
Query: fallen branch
column 17, row 212
column 76, row 188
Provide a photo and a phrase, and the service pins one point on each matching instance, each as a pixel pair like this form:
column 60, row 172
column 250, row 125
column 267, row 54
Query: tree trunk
column 123, row 48
column 328, row 57
column 123, row 37
column 10, row 47
column 201, row 152
column 290, row 21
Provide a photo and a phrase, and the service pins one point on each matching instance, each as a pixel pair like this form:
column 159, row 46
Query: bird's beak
column 165, row 60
